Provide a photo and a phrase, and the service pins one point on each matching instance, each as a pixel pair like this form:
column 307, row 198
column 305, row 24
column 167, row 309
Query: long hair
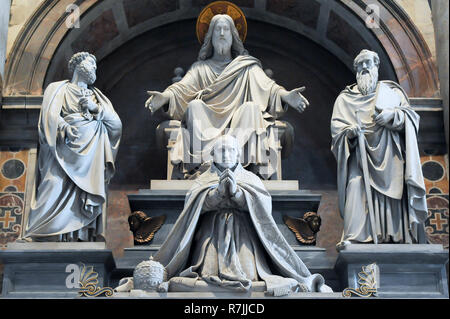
column 237, row 48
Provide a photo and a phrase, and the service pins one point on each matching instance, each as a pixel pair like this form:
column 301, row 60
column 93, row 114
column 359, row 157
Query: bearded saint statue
column 226, row 92
column 380, row 111
column 79, row 136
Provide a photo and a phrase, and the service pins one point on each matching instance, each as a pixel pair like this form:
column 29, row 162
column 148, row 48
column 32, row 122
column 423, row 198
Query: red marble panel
column 13, row 166
column 118, row 234
column 332, row 224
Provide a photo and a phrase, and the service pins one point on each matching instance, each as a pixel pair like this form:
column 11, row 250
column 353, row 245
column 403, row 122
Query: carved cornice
column 417, row 40
column 39, row 39
column 23, row 39
column 21, row 102
column 35, row 44
column 19, row 117
column 406, row 47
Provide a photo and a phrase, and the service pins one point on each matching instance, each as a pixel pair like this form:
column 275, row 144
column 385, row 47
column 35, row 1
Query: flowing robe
column 70, row 194
column 213, row 98
column 397, row 185
column 228, row 245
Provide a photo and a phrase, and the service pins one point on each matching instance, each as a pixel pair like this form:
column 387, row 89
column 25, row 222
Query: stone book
column 386, row 98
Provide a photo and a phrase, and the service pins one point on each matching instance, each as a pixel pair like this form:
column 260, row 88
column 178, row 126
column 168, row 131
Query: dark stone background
column 147, row 63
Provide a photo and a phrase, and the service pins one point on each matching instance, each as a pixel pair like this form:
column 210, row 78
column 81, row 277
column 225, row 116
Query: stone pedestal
column 41, row 270
column 257, row 295
column 315, row 258
column 171, row 202
column 272, row 185
column 405, row 271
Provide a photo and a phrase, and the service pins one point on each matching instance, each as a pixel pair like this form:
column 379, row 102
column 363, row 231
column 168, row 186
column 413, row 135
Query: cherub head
column 314, row 221
column 135, row 220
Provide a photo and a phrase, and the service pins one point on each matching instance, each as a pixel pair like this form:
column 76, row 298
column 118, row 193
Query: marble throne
column 167, row 131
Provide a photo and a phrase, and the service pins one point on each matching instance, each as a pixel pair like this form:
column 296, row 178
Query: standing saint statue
column 226, row 92
column 380, row 183
column 226, row 235
column 79, row 136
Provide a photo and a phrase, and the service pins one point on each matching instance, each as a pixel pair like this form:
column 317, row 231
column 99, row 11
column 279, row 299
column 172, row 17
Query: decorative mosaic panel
column 435, row 173
column 13, row 168
column 11, row 212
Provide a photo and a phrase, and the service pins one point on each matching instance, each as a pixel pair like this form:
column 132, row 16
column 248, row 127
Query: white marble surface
column 160, row 184
column 55, row 245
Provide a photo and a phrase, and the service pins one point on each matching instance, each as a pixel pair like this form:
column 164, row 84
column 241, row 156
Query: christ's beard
column 222, row 47
column 367, row 82
column 87, row 74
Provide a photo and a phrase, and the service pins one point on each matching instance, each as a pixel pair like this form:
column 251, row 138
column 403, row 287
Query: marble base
column 179, row 285
column 55, row 246
column 272, row 185
column 171, row 202
column 141, row 294
column 38, row 270
column 405, row 271
column 315, row 258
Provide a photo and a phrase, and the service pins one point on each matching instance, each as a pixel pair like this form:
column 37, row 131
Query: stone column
column 439, row 10
column 5, row 6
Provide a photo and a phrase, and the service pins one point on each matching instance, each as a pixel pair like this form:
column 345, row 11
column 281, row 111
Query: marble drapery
column 231, row 245
column 215, row 97
column 70, row 194
column 396, row 180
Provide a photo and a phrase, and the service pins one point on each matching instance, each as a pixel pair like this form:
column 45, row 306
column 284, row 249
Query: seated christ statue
column 225, row 92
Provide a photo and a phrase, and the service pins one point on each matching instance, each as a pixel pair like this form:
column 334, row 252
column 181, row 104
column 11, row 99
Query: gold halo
column 221, row 7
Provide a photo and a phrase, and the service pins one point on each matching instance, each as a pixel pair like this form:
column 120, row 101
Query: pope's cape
column 290, row 270
column 72, row 176
column 392, row 153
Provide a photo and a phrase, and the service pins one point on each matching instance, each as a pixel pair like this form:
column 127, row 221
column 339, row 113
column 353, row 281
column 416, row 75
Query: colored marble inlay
column 13, row 165
column 436, row 224
column 118, row 234
column 435, row 173
column 13, row 169
column 11, row 214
